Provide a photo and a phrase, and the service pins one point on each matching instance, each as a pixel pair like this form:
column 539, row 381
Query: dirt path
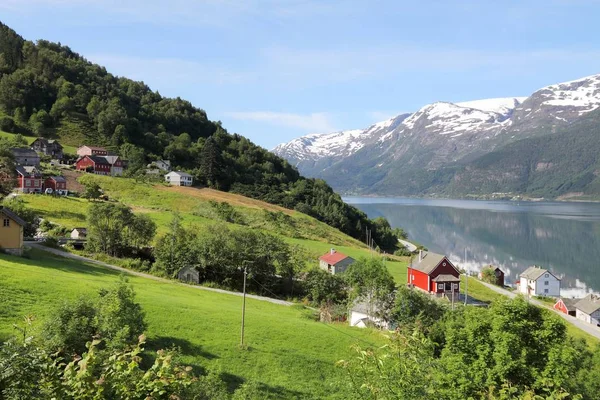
column 592, row 330
column 143, row 275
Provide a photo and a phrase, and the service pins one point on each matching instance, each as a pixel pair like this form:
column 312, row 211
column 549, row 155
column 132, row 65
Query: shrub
column 7, row 124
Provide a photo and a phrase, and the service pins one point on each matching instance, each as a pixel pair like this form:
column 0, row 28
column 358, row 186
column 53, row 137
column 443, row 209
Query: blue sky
column 274, row 70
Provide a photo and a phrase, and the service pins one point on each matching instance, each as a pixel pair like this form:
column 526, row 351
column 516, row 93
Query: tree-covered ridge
column 48, row 90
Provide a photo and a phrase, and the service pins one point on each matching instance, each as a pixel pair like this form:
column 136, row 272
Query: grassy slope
column 66, row 148
column 291, row 354
column 160, row 201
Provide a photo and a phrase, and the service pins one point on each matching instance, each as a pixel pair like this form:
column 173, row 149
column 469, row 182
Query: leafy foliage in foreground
column 513, row 350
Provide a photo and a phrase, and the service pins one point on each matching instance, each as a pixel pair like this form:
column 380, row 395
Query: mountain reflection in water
column 563, row 237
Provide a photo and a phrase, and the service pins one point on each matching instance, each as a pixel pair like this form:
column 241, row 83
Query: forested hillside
column 48, row 90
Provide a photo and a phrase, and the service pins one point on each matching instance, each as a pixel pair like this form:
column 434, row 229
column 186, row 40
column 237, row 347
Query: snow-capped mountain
column 420, row 152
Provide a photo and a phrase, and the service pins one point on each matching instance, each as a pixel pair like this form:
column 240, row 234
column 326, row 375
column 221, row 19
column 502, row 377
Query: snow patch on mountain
column 583, row 94
column 502, row 105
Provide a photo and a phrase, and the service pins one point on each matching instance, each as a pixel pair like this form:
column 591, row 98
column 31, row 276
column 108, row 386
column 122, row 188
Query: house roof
column 533, row 273
column 82, row 230
column 98, row 159
column 58, row 179
column 26, row 170
column 446, row 278
column 333, row 258
column 48, row 141
column 22, row 152
column 569, row 303
column 589, row 304
column 12, row 216
column 428, row 262
column 93, row 148
column 179, row 173
column 111, row 159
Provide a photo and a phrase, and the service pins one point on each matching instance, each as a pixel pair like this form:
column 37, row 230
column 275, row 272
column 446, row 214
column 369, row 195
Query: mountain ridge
column 441, row 138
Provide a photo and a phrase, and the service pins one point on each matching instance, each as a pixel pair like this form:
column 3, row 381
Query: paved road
column 409, row 246
column 588, row 328
column 156, row 278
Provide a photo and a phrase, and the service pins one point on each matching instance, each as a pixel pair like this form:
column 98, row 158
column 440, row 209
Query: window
column 545, row 276
column 27, row 182
column 545, row 283
column 455, row 286
column 545, row 290
column 443, row 264
column 6, row 222
column 440, row 286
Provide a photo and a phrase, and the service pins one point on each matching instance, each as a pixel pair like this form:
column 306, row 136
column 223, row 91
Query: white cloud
column 314, row 122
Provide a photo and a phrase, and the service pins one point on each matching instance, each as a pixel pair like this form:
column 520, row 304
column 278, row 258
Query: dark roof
column 12, row 216
column 428, row 262
column 333, row 258
column 589, row 304
column 82, row 230
column 446, row 278
column 21, row 151
column 48, row 141
column 98, row 159
column 58, row 178
column 27, row 170
column 569, row 303
column 533, row 273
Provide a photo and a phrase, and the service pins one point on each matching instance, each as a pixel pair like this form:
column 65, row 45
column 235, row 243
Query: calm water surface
column 564, row 237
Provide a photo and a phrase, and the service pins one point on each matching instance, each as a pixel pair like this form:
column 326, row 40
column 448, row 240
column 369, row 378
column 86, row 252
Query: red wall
column 560, row 306
column 447, row 270
column 50, row 183
column 420, row 280
column 84, row 163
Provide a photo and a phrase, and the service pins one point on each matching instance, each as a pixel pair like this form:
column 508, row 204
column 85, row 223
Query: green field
column 66, row 148
column 291, row 354
column 159, row 202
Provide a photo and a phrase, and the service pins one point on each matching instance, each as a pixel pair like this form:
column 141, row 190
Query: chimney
column 420, row 255
column 332, row 251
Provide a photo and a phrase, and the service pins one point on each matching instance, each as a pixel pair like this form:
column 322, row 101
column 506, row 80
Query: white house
column 165, row 165
column 363, row 315
column 79, row 233
column 179, row 178
column 536, row 281
column 588, row 309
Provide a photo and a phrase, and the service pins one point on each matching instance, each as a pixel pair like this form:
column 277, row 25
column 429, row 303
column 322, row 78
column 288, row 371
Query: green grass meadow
column 287, row 352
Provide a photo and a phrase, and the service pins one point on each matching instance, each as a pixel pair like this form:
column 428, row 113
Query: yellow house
column 11, row 232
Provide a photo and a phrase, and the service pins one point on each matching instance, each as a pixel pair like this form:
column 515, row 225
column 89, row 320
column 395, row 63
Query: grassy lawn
column 291, row 354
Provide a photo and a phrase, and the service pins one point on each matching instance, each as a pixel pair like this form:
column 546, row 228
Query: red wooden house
column 566, row 306
column 95, row 164
column 29, row 179
column 58, row 184
column 434, row 273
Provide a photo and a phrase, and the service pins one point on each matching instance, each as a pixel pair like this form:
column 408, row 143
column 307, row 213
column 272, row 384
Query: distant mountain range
column 544, row 145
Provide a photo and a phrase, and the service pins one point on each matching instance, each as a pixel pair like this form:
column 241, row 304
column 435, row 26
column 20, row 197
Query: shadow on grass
column 184, row 346
column 274, row 392
column 40, row 258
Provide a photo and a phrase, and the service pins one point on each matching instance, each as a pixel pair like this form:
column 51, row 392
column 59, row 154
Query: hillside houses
column 536, row 281
column 91, row 151
column 94, row 164
column 48, row 147
column 26, row 156
column 56, row 184
column 335, row 262
column 434, row 273
column 588, row 309
column 29, row 179
column 179, row 178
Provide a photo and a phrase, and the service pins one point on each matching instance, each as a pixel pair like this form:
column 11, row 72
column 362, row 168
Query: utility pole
column 466, row 278
column 243, row 308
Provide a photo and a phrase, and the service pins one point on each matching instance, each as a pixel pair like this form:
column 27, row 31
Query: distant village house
column 91, row 151
column 116, row 165
column 164, row 165
column 335, row 262
column 566, row 306
column 57, row 184
column 95, row 164
column 179, row 178
column 29, row 179
column 79, row 233
column 189, row 274
column 434, row 273
column 536, row 281
column 11, row 232
column 48, row 147
column 25, row 157
column 363, row 315
column 588, row 309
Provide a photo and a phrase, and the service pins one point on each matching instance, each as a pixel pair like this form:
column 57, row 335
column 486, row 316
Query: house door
column 447, row 287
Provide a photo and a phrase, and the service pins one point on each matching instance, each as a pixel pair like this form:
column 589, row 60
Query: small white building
column 165, row 165
column 588, row 309
column 536, row 281
column 363, row 315
column 179, row 178
column 335, row 262
column 79, row 233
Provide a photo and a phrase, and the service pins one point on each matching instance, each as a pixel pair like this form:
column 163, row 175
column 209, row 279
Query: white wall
column 553, row 286
column 523, row 285
column 356, row 316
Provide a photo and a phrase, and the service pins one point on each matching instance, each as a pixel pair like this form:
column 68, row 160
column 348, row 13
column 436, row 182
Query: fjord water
column 561, row 236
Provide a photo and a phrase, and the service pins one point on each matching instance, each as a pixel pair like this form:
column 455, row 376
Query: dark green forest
column 48, row 90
